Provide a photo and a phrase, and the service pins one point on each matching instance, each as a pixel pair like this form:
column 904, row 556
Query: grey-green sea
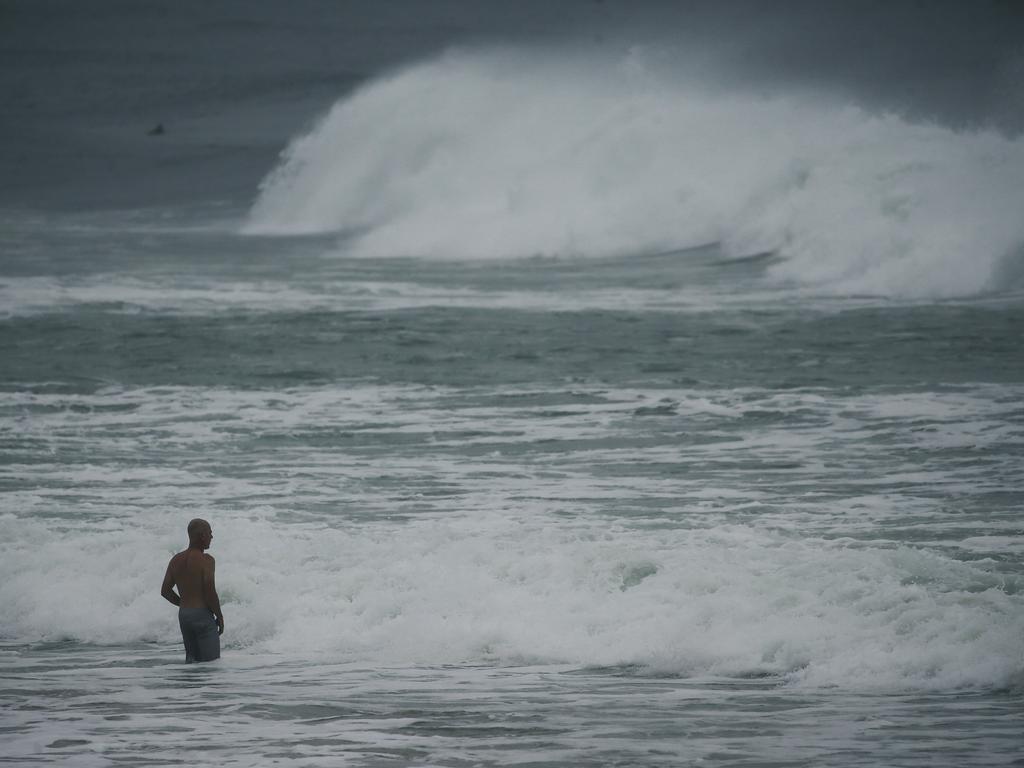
column 549, row 408
column 546, row 511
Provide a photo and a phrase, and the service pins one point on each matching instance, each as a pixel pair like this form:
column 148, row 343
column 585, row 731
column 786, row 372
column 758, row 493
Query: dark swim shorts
column 199, row 631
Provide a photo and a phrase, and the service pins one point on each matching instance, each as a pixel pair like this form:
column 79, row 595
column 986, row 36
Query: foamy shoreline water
column 688, row 532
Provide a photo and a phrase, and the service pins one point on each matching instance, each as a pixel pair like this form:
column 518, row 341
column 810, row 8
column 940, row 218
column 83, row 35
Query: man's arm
column 210, row 592
column 167, row 588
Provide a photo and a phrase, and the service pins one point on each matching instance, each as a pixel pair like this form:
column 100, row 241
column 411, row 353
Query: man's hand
column 220, row 625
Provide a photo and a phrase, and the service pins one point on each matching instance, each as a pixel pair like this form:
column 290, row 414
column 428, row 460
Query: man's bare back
column 193, row 571
column 190, row 571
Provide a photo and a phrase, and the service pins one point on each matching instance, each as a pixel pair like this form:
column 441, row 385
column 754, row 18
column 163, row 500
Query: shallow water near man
column 200, row 617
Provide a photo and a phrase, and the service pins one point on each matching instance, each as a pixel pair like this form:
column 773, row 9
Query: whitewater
column 516, row 154
column 549, row 408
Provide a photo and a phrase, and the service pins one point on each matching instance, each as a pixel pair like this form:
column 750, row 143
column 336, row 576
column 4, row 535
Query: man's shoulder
column 182, row 557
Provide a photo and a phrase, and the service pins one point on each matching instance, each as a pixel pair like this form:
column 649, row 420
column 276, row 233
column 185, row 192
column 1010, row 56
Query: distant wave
column 479, row 155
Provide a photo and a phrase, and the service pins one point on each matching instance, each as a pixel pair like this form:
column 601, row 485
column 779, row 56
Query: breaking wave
column 480, row 155
column 729, row 601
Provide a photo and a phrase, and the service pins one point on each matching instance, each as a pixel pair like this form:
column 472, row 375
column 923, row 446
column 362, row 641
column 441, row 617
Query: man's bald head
column 197, row 530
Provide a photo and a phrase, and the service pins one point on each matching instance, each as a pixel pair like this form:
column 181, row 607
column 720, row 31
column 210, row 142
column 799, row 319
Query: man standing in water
column 199, row 614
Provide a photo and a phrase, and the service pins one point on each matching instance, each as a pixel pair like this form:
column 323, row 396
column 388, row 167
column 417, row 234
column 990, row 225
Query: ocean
column 565, row 384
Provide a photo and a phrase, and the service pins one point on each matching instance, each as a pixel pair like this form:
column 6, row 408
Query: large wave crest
column 498, row 154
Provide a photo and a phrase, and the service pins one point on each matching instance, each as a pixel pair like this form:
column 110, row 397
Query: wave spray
column 506, row 153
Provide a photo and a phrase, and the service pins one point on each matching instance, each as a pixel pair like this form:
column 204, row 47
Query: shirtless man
column 199, row 614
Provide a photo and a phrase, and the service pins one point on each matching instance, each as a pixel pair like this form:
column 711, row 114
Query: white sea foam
column 524, row 558
column 514, row 588
column 516, row 153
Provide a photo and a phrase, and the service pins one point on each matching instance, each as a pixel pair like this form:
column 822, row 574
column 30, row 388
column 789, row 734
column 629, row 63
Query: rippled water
column 256, row 710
